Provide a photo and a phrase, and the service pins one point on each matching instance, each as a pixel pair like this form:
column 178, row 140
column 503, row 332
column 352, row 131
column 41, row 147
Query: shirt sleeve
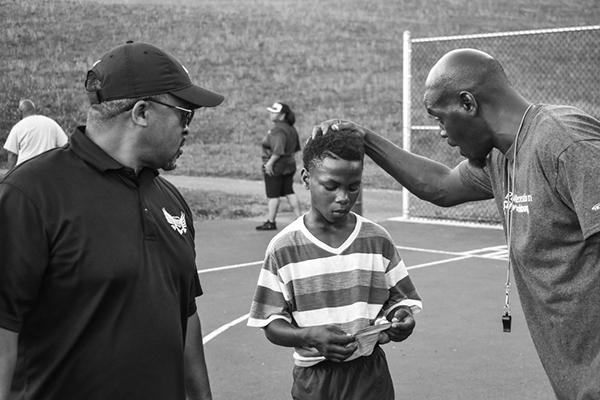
column 61, row 136
column 277, row 141
column 195, row 286
column 24, row 254
column 269, row 301
column 195, row 291
column 12, row 142
column 578, row 183
column 476, row 178
column 402, row 291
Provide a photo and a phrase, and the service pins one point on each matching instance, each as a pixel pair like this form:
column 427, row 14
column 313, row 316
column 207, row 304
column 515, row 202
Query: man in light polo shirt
column 98, row 277
column 541, row 164
column 32, row 135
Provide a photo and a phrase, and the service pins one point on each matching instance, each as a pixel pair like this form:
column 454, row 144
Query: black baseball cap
column 137, row 69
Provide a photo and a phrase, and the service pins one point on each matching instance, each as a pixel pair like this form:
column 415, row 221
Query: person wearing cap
column 98, row 270
column 279, row 148
column 32, row 135
column 540, row 164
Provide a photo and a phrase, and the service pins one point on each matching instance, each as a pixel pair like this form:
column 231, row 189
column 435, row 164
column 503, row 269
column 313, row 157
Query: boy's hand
column 333, row 343
column 383, row 338
column 403, row 324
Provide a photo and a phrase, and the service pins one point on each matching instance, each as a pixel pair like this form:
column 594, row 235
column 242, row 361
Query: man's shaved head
column 464, row 70
column 27, row 107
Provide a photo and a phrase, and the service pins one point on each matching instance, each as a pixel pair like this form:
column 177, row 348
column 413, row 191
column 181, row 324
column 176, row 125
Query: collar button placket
column 148, row 222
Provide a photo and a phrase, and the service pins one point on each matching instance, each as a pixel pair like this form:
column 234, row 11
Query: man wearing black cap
column 98, row 270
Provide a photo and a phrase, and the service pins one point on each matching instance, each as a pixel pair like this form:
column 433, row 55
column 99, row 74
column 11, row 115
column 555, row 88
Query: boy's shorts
column 366, row 378
column 279, row 185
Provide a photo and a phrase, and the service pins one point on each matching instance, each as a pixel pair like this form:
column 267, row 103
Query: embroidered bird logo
column 177, row 223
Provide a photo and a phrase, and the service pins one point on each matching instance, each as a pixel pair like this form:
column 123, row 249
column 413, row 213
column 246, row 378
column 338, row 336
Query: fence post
column 358, row 206
column 406, row 108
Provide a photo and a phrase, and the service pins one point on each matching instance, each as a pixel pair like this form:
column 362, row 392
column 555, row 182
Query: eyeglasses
column 186, row 114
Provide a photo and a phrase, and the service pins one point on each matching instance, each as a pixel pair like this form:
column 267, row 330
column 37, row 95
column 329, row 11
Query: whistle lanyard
column 508, row 218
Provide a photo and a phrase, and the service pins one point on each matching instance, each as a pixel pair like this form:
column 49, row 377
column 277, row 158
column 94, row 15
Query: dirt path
column 377, row 204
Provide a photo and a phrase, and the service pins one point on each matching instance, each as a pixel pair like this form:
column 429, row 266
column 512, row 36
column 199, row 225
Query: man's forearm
column 8, row 359
column 421, row 176
column 196, row 374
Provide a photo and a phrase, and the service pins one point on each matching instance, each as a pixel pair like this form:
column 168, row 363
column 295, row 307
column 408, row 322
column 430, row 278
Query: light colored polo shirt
column 34, row 135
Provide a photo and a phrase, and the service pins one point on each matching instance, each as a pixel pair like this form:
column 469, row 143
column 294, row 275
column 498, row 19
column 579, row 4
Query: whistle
column 506, row 320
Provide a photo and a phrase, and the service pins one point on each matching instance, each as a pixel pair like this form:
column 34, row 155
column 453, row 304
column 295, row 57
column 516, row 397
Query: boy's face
column 334, row 187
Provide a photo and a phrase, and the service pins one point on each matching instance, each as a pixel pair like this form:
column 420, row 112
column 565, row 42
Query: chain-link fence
column 552, row 66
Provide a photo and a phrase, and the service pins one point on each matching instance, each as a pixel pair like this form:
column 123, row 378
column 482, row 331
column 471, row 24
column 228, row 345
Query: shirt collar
column 527, row 121
column 91, row 153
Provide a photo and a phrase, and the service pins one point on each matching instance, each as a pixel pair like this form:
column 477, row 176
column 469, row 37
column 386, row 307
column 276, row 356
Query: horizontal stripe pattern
column 337, row 315
column 336, row 281
column 339, row 297
column 307, row 285
column 335, row 264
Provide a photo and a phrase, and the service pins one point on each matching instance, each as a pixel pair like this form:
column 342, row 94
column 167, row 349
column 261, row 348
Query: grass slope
column 327, row 58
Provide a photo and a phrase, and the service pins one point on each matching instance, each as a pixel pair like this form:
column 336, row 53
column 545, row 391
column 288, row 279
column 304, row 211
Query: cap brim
column 274, row 110
column 198, row 96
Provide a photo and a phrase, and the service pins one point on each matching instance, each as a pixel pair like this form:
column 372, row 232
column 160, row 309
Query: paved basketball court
column 457, row 351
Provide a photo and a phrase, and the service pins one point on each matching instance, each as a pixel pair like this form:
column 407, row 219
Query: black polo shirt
column 98, row 276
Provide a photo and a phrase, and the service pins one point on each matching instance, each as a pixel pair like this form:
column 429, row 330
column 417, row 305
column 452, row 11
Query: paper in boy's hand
column 367, row 338
column 372, row 330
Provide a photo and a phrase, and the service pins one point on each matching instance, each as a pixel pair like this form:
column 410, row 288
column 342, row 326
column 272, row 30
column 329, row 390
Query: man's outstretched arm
column 425, row 178
column 8, row 359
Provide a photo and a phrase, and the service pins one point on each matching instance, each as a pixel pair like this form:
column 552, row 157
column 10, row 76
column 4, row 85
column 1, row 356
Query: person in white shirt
column 32, row 135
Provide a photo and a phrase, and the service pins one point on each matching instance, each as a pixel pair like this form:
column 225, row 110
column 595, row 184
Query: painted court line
column 458, row 224
column 484, row 252
column 429, row 264
column 248, row 264
column 459, row 256
column 223, row 328
column 494, row 252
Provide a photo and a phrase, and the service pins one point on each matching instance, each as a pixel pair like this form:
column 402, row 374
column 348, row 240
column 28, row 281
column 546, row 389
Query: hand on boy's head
column 332, row 342
column 403, row 324
column 335, row 125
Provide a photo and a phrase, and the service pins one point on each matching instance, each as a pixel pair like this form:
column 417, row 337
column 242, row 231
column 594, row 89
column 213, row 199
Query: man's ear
column 305, row 175
column 468, row 102
column 139, row 113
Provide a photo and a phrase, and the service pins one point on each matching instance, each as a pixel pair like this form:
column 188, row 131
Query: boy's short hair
column 345, row 144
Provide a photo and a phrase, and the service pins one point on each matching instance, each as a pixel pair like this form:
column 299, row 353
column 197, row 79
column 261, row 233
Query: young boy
column 330, row 274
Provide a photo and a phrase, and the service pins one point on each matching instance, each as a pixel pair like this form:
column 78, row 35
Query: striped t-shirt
column 309, row 283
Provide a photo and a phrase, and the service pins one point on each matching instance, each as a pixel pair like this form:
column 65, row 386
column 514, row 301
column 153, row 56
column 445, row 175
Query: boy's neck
column 332, row 234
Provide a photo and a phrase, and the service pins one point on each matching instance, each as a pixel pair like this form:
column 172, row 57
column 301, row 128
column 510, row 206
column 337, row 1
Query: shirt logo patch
column 177, row 223
column 596, row 207
column 514, row 202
